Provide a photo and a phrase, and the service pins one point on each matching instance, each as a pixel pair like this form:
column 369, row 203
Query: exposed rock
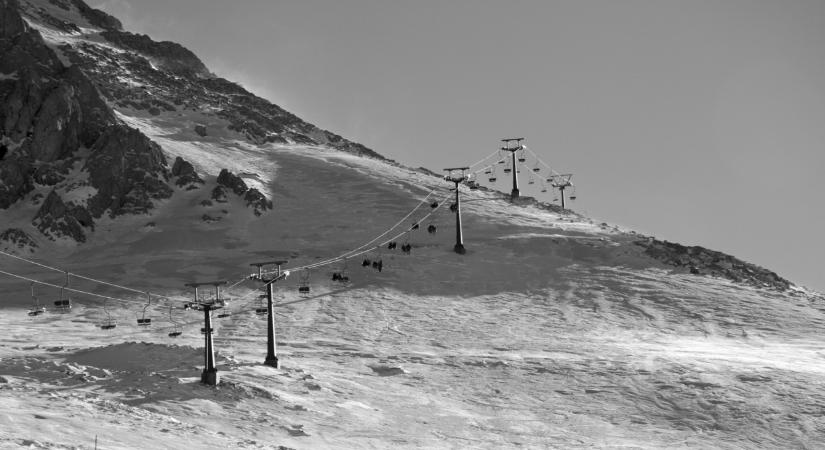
column 185, row 173
column 14, row 181
column 206, row 203
column 15, row 238
column 57, row 219
column 169, row 55
column 209, row 219
column 258, row 201
column 701, row 261
column 219, row 195
column 128, row 170
column 232, row 181
column 200, row 129
column 97, row 17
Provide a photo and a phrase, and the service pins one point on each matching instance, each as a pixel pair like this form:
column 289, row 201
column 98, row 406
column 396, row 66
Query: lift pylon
column 513, row 145
column 209, row 375
column 457, row 175
column 270, row 277
column 561, row 182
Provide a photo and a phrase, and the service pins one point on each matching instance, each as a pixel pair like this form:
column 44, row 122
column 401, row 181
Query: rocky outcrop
column 185, row 173
column 57, row 219
column 128, row 170
column 257, row 201
column 227, row 181
column 17, row 239
column 201, row 130
column 232, row 182
column 97, row 17
column 14, row 180
column 701, row 261
column 169, row 55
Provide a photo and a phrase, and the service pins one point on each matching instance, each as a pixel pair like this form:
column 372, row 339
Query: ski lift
column 392, row 245
column 414, row 226
column 432, row 229
column 453, row 207
column 367, row 262
column 434, row 205
column 144, row 321
column 303, row 284
column 36, row 309
column 507, row 170
column 203, row 330
column 488, row 171
column 176, row 331
column 341, row 275
column 63, row 305
column 573, row 194
column 521, row 157
column 110, row 323
column 224, row 314
column 473, row 185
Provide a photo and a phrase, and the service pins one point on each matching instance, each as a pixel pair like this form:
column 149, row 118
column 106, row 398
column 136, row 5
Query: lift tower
column 269, row 278
column 561, row 182
column 513, row 145
column 210, row 373
column 454, row 177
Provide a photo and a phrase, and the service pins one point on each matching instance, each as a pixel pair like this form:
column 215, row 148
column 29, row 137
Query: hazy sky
column 701, row 122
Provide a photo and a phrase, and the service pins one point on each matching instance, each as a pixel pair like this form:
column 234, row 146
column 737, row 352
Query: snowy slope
column 551, row 332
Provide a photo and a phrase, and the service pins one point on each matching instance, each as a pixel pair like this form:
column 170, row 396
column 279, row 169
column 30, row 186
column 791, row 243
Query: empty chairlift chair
column 144, row 321
column 261, row 310
column 176, row 330
column 63, row 305
column 303, row 285
column 36, row 309
column 110, row 323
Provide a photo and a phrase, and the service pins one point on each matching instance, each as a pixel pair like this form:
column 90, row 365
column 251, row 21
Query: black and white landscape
column 126, row 160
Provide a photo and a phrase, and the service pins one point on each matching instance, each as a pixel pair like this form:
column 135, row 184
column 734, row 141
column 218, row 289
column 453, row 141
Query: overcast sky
column 701, row 122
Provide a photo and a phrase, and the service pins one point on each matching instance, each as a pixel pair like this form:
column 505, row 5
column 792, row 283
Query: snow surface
column 552, row 331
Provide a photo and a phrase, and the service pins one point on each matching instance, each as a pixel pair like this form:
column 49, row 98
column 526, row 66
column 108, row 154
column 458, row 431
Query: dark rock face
column 701, row 261
column 15, row 238
column 128, row 170
column 14, row 182
column 171, row 56
column 97, row 17
column 218, row 194
column 257, row 201
column 57, row 219
column 253, row 197
column 201, row 130
column 185, row 173
column 233, row 182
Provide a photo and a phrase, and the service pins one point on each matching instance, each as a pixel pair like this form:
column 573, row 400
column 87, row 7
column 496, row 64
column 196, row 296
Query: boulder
column 200, row 129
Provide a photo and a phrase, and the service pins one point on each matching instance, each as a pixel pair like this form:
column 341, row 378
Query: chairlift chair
column 63, row 305
column 144, row 321
column 432, row 229
column 36, row 309
column 434, row 205
column 176, row 331
column 303, row 284
column 109, row 324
